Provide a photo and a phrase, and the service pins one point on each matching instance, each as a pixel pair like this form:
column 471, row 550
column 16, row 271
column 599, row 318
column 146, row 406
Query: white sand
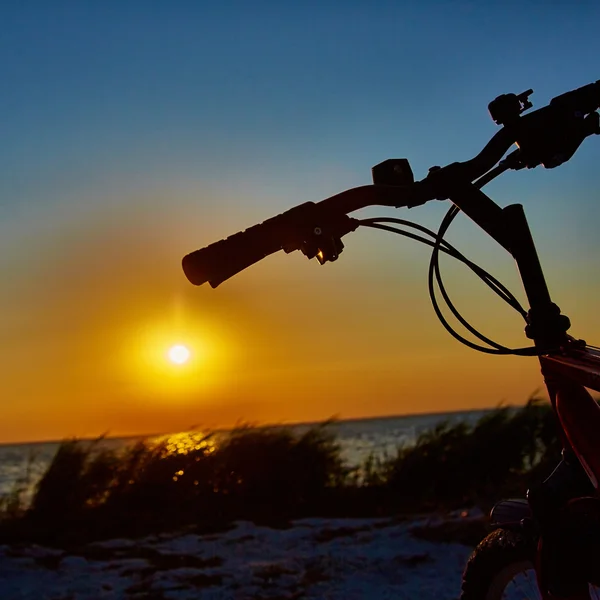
column 343, row 559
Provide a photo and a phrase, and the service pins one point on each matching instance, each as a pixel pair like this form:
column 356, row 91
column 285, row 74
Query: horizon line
column 332, row 419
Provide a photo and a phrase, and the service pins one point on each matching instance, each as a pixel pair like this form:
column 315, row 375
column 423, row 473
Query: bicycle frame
column 548, row 136
column 568, row 366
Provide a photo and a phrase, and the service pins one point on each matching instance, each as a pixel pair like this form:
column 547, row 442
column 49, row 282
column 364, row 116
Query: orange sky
column 90, row 316
column 134, row 133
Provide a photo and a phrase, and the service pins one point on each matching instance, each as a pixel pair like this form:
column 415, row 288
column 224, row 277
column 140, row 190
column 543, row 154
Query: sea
column 22, row 465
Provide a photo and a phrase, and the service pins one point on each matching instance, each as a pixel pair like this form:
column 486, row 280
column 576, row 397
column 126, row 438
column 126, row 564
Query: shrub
column 273, row 474
column 253, row 473
column 454, row 464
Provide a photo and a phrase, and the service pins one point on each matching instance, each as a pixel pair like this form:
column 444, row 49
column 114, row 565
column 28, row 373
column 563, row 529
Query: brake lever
column 551, row 135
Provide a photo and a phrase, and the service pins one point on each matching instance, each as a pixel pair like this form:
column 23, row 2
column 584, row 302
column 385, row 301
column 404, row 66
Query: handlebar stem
column 508, row 226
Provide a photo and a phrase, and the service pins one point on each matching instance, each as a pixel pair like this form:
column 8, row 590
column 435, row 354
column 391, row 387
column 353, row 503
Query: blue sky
column 99, row 91
column 172, row 124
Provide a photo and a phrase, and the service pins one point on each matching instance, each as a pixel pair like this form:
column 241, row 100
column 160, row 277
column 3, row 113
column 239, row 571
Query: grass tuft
column 274, row 474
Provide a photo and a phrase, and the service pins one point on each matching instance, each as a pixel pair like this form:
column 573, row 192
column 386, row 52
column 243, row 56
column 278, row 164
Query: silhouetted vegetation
column 457, row 465
column 271, row 475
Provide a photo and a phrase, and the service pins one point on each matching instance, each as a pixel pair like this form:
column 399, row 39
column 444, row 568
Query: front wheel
column 502, row 568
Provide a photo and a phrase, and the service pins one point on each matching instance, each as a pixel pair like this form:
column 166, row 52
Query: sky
column 135, row 132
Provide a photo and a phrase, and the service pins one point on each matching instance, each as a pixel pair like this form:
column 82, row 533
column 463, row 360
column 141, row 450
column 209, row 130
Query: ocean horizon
column 272, row 424
column 24, row 463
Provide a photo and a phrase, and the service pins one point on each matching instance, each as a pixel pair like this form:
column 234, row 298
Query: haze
column 133, row 133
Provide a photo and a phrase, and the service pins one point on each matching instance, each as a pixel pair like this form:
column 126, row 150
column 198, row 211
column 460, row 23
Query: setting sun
column 177, row 357
column 179, row 354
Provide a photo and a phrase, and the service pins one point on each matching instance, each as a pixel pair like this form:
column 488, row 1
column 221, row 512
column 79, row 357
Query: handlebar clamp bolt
column 317, row 231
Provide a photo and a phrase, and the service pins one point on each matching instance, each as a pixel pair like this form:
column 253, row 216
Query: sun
column 179, row 354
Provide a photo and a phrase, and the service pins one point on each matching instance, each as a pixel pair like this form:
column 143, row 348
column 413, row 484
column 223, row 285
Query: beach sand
column 341, row 559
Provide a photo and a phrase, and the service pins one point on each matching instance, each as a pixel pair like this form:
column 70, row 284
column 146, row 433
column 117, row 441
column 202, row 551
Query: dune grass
column 454, row 465
column 271, row 475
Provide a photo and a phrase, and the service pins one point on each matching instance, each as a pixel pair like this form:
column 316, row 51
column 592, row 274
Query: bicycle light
column 393, row 171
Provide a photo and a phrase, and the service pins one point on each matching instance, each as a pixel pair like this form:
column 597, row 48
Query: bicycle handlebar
column 292, row 230
column 548, row 136
column 221, row 260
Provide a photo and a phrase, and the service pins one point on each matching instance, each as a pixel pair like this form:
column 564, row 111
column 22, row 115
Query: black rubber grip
column 585, row 99
column 225, row 258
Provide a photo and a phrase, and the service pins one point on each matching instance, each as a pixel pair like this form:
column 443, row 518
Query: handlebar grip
column 585, row 99
column 222, row 260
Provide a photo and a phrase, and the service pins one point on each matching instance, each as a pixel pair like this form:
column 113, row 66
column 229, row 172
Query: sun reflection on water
column 186, row 442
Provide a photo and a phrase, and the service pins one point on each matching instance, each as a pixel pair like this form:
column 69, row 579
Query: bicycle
column 554, row 530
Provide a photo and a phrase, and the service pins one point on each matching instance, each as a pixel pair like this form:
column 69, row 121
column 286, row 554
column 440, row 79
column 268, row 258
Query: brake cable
column 447, row 248
column 441, row 245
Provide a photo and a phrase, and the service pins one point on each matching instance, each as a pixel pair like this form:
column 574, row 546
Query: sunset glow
column 179, row 354
column 135, row 133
